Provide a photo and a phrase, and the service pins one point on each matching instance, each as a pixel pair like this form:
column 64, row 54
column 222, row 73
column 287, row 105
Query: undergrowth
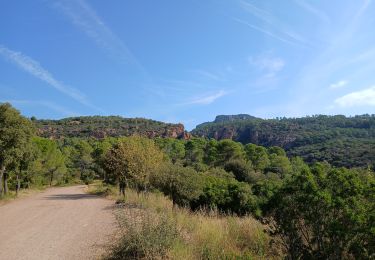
column 152, row 229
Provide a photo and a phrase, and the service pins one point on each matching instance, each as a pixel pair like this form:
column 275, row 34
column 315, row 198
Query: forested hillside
column 340, row 140
column 107, row 126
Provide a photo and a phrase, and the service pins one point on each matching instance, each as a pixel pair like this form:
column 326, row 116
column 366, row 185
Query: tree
column 226, row 195
column 277, row 150
column 210, row 152
column 133, row 160
column 280, row 165
column 181, row 184
column 84, row 161
column 228, row 150
column 100, row 149
column 51, row 159
column 258, row 156
column 241, row 169
column 29, row 155
column 325, row 214
column 173, row 148
column 15, row 134
column 194, row 152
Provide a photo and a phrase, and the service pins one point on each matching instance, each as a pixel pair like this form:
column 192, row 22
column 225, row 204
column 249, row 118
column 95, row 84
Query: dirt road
column 60, row 223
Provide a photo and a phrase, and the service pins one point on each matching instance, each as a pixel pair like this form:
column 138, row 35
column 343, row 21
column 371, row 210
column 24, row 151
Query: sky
column 188, row 61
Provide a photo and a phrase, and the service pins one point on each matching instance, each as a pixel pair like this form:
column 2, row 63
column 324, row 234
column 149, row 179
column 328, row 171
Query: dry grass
column 22, row 194
column 153, row 229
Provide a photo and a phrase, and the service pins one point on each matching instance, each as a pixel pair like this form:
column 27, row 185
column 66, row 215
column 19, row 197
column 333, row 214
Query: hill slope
column 104, row 126
column 340, row 140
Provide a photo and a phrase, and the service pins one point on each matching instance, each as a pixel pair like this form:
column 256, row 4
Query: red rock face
column 177, row 131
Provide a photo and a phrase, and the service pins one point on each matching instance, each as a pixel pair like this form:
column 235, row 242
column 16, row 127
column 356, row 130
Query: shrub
column 241, row 169
column 227, row 195
column 181, row 184
column 326, row 214
column 147, row 236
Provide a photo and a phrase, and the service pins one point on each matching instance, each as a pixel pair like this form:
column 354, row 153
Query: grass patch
column 152, row 229
column 11, row 195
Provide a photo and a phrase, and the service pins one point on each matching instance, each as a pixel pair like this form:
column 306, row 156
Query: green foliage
column 317, row 210
column 173, row 148
column 228, row 150
column 241, row 169
column 50, row 162
column 194, row 151
column 280, row 165
column 15, row 135
column 134, row 159
column 258, row 156
column 326, row 214
column 181, row 184
column 226, row 195
column 342, row 141
column 106, row 126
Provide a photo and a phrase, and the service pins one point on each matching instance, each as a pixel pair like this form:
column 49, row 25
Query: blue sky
column 188, row 61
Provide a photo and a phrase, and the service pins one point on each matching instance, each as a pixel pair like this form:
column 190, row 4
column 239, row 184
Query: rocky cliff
column 110, row 126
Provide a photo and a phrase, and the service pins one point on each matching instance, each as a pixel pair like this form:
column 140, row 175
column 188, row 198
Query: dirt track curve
column 60, row 223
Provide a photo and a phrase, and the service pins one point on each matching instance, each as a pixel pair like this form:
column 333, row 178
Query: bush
column 226, row 195
column 152, row 229
column 181, row 184
column 148, row 236
column 241, row 169
column 326, row 214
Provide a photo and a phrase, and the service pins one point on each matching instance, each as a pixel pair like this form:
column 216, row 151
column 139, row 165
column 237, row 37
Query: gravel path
column 60, row 223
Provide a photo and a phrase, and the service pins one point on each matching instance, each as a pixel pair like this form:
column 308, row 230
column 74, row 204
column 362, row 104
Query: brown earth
column 60, row 223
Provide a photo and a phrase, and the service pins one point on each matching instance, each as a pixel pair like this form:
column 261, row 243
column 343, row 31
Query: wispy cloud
column 208, row 99
column 262, row 30
column 365, row 97
column 84, row 17
column 35, row 69
column 267, row 64
column 321, row 15
column 339, row 84
column 47, row 104
column 207, row 74
column 341, row 53
column 363, row 8
column 279, row 30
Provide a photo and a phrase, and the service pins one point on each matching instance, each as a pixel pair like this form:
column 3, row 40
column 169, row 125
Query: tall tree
column 51, row 159
column 258, row 156
column 228, row 150
column 133, row 159
column 15, row 134
column 84, row 160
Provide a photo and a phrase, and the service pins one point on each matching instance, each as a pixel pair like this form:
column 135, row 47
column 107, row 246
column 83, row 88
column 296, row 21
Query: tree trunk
column 122, row 188
column 51, row 178
column 2, row 170
column 18, row 184
column 6, row 189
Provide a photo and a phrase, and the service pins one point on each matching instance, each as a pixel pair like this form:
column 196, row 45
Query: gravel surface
column 60, row 223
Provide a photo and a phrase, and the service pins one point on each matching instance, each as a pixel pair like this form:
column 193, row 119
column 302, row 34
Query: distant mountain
column 104, row 126
column 228, row 118
column 340, row 140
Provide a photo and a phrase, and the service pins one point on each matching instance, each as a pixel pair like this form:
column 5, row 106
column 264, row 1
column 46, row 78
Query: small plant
column 147, row 236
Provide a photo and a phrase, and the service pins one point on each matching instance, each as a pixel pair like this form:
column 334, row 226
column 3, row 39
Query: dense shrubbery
column 318, row 211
